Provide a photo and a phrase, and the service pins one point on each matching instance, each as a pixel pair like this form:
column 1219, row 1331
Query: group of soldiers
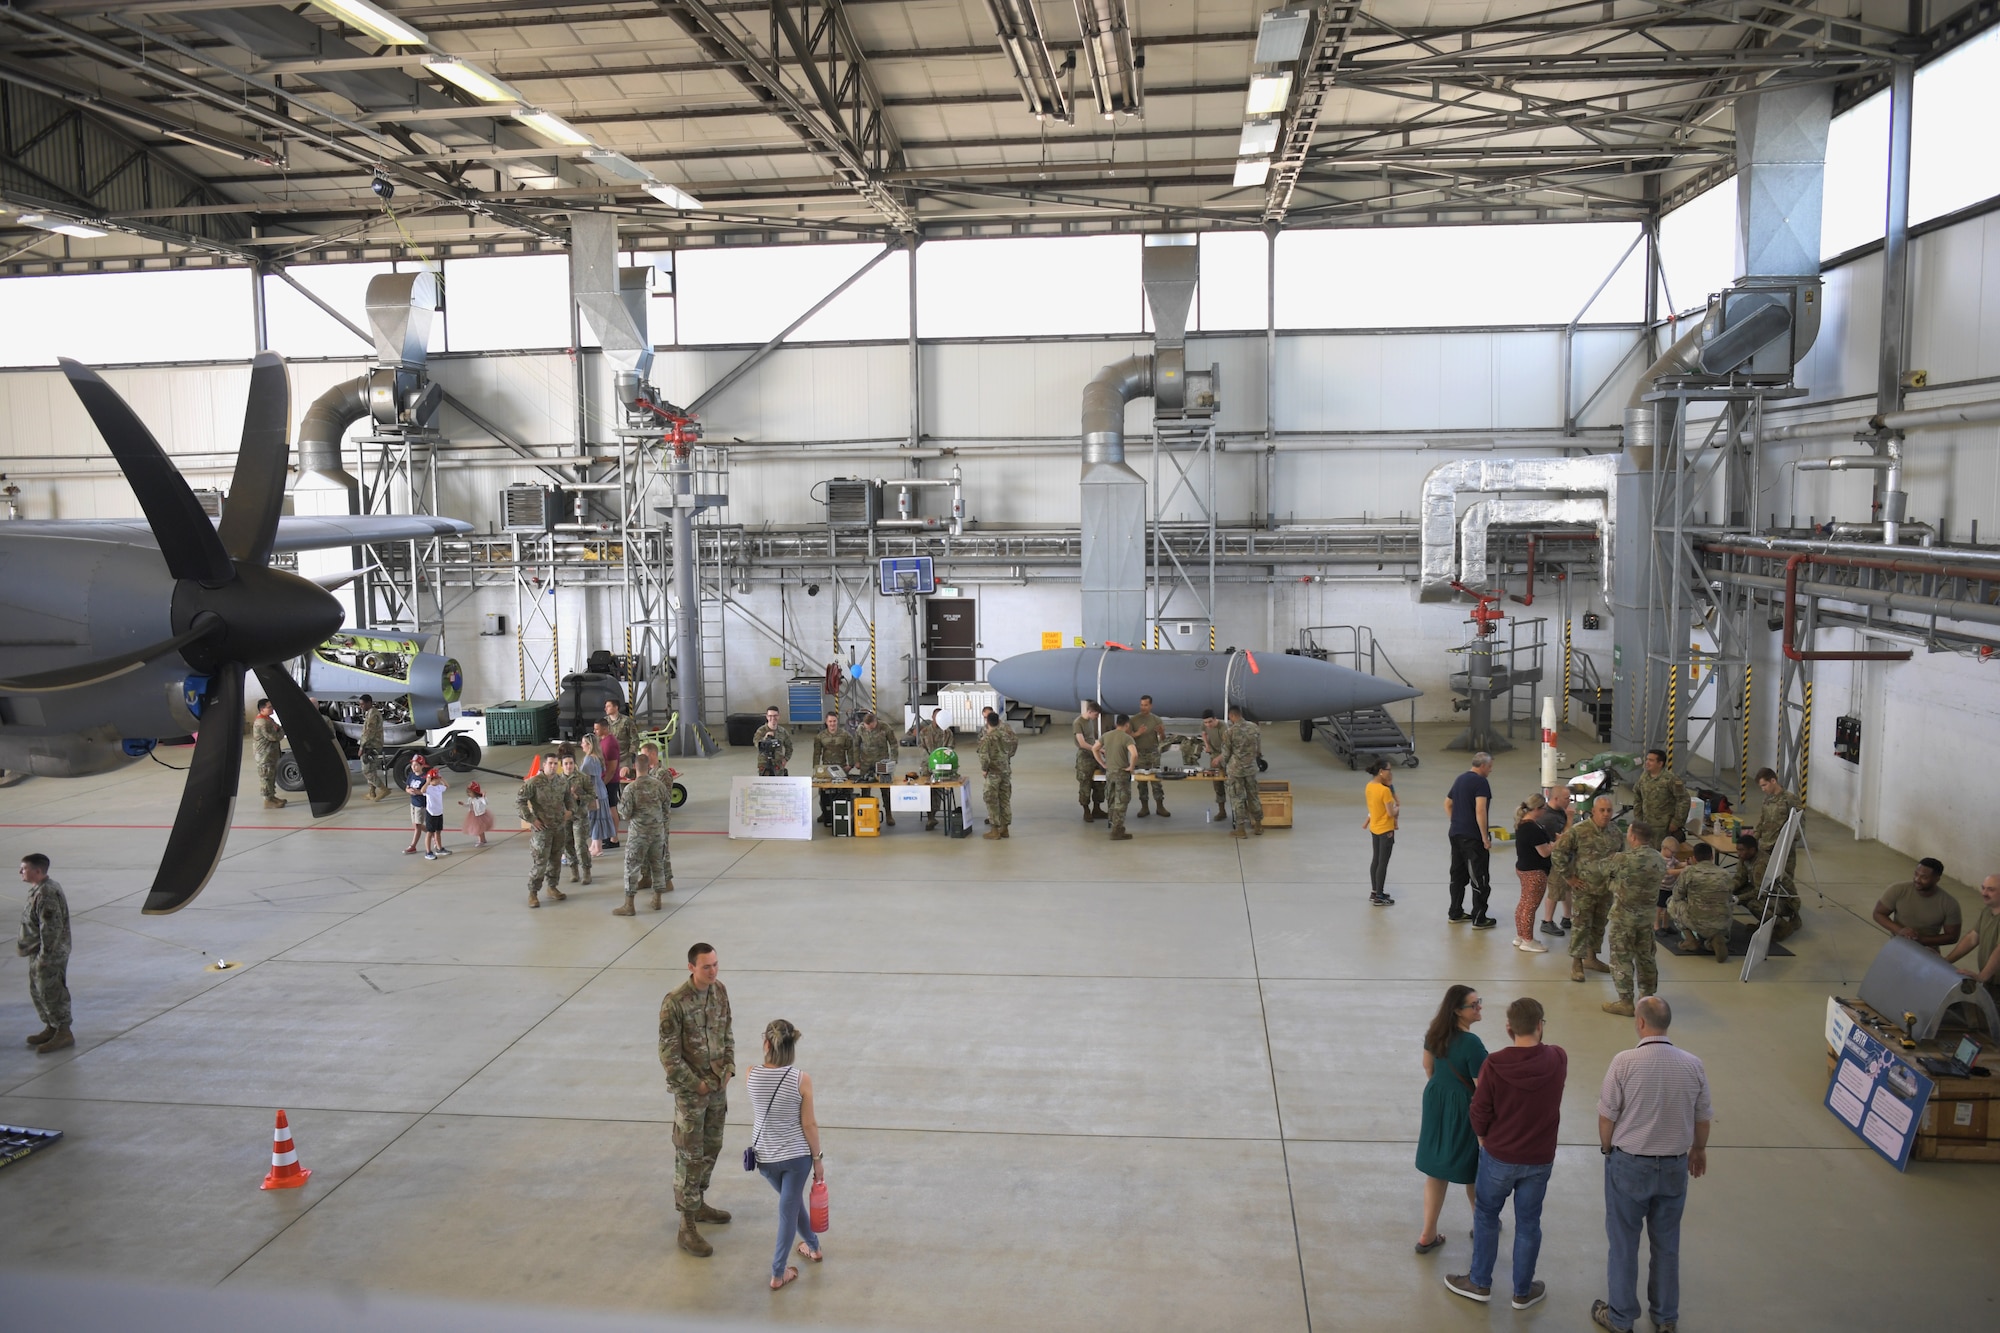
column 1134, row 743
column 558, row 803
column 1618, row 884
column 871, row 746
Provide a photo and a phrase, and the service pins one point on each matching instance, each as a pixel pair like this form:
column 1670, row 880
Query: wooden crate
column 1961, row 1122
column 1276, row 796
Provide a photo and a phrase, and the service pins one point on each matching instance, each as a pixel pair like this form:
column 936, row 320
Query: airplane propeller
column 232, row 613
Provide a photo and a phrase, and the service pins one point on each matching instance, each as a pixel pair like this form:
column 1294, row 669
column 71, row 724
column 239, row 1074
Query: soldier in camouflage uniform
column 831, row 746
column 772, row 765
column 1119, row 753
column 625, row 727
column 1700, row 905
column 1150, row 734
column 1582, row 844
column 371, row 748
column 1659, row 799
column 44, row 942
column 1634, row 877
column 935, row 735
column 1242, row 746
column 1088, row 732
column 1212, row 733
column 996, row 760
column 265, row 733
column 580, row 793
column 698, row 1052
column 1778, row 806
column 874, row 744
column 646, row 804
column 544, row 807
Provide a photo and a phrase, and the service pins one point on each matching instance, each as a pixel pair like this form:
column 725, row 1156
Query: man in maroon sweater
column 1516, row 1111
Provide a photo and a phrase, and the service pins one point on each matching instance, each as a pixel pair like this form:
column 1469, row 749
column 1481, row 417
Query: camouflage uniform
column 1700, row 905
column 1770, row 823
column 371, row 753
column 1242, row 744
column 773, row 767
column 996, row 761
column 44, row 942
column 1582, row 845
column 1213, row 734
column 644, row 805
column 626, row 729
column 1149, row 733
column 544, row 800
column 1089, row 795
column 580, row 793
column 830, row 748
column 264, row 734
column 1119, row 747
column 933, row 737
column 873, row 745
column 1633, row 878
column 1660, row 801
column 696, row 1047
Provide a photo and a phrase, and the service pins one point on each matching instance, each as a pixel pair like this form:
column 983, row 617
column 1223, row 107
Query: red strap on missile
column 1113, row 643
column 1251, row 658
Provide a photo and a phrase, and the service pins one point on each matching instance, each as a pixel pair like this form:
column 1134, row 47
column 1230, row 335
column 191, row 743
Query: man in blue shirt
column 1471, row 841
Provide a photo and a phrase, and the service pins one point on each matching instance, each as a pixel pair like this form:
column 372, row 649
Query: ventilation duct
column 1483, row 515
column 1441, row 563
column 613, row 301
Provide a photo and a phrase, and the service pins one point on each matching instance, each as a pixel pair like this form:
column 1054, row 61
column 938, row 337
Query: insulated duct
column 1113, row 508
column 1483, row 515
column 1441, row 565
column 320, row 433
column 613, row 301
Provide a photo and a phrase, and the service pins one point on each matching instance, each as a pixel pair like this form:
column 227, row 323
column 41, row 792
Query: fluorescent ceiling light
column 554, row 128
column 1268, row 94
column 63, row 225
column 672, row 195
column 1260, row 138
column 617, row 164
column 1252, row 171
column 384, row 27
column 1280, row 35
column 472, row 79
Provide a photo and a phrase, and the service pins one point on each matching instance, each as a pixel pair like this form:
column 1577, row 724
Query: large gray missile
column 1270, row 687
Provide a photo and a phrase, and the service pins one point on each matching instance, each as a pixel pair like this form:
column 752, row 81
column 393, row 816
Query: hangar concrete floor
column 1065, row 1083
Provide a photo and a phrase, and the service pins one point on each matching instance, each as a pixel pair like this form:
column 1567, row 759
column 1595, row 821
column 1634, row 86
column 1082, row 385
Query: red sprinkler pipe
column 1794, row 563
column 1528, row 599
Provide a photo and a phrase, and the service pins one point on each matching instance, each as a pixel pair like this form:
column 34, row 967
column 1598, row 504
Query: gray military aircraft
column 116, row 633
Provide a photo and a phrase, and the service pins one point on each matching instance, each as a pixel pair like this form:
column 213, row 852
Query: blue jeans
column 790, row 1178
column 1647, row 1192
column 1528, row 1185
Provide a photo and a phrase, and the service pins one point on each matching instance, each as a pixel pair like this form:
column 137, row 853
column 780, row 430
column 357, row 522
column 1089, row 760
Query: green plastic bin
column 521, row 722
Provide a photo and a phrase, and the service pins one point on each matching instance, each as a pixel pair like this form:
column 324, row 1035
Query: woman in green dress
column 1447, row 1149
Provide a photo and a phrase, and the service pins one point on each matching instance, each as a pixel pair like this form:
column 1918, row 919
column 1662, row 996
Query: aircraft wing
column 294, row 533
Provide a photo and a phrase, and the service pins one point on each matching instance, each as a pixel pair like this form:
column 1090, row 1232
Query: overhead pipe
column 1948, row 608
column 1486, row 514
column 1981, row 412
column 1437, row 517
column 1104, row 400
column 322, row 430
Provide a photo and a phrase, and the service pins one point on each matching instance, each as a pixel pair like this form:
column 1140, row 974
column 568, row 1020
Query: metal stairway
column 1594, row 698
column 1361, row 733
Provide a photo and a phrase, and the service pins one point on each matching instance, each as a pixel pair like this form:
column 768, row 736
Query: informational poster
column 1878, row 1096
column 771, row 808
column 1051, row 638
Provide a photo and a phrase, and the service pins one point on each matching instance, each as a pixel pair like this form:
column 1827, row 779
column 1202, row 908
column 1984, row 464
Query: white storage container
column 965, row 706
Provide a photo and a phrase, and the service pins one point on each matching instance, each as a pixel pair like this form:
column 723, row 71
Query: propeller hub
column 262, row 617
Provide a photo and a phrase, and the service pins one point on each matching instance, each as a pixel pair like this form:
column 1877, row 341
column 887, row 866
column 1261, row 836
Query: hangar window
column 749, row 295
column 1698, row 248
column 1022, row 286
column 501, row 303
column 114, row 318
column 1233, row 281
column 1435, row 277
column 300, row 328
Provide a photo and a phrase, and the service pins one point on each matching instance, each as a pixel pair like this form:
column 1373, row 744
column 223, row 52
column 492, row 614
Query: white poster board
column 771, row 808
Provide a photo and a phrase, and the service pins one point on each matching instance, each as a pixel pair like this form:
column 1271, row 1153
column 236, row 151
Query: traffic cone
column 285, row 1173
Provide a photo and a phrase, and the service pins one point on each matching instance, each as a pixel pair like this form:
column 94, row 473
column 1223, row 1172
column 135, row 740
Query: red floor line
column 334, row 828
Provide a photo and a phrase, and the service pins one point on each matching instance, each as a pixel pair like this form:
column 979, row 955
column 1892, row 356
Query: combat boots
column 625, row 908
column 1258, row 828
column 1720, row 943
column 1592, row 964
column 1576, row 969
column 556, row 895
column 1622, row 1007
column 273, row 803
column 656, row 907
column 690, row 1239
column 533, row 900
column 1239, row 832
column 1087, row 816
column 708, row 1214
column 62, row 1040
column 1118, row 833
column 42, row 1036
column 994, row 834
column 1144, row 813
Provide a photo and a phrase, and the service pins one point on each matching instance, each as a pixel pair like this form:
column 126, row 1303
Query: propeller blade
column 337, row 579
column 257, row 490
column 187, row 539
column 106, row 668
column 201, row 825
column 321, row 761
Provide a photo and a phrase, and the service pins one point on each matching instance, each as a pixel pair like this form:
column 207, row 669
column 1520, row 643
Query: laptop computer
column 1958, row 1065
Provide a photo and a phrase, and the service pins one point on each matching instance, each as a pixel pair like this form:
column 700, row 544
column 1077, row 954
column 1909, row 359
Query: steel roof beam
column 1333, row 26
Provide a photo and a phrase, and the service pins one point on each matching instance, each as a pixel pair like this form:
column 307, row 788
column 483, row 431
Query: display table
column 1961, row 1123
column 955, row 810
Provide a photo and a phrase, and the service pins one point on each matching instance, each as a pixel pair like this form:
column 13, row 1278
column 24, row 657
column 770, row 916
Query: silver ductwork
column 395, row 392
column 322, row 430
column 1113, row 529
column 613, row 301
column 1486, row 514
column 1441, row 564
column 1104, row 400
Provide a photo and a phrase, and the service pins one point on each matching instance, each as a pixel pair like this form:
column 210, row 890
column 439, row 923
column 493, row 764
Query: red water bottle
column 818, row 1207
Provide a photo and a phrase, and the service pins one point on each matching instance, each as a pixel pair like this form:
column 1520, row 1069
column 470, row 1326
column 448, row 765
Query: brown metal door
column 951, row 639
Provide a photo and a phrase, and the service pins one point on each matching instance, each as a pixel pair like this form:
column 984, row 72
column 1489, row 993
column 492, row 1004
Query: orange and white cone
column 285, row 1172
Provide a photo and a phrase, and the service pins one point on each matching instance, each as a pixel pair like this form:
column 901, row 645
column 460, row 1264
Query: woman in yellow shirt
column 1381, row 826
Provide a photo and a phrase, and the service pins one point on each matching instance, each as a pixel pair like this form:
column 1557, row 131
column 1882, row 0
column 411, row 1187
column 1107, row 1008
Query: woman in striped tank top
column 785, row 1140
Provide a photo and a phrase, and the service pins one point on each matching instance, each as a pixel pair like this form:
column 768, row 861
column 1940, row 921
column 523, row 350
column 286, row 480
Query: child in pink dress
column 478, row 823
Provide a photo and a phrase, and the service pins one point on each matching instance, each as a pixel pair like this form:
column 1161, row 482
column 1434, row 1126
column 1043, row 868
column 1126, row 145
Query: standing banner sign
column 1878, row 1096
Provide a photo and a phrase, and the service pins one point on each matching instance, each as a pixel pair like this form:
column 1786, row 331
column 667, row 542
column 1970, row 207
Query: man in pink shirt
column 1516, row 1111
column 607, row 748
